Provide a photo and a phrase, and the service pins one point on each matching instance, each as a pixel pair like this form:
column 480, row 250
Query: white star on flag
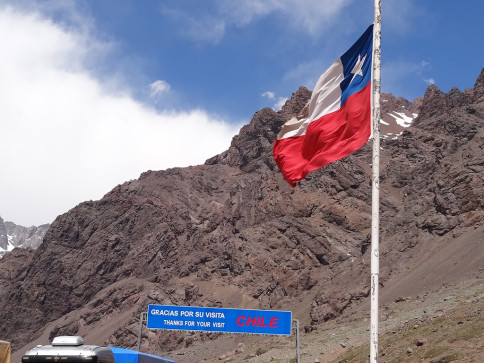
column 358, row 66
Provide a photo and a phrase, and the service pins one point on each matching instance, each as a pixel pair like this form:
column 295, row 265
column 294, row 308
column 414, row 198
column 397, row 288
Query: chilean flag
column 337, row 119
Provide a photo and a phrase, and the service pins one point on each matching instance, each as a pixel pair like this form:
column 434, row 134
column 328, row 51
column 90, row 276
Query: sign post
column 298, row 355
column 142, row 318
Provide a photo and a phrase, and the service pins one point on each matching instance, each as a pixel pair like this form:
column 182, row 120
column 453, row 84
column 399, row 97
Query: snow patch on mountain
column 397, row 114
column 13, row 236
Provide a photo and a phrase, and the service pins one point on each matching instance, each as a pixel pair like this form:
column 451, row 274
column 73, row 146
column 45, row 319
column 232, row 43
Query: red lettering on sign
column 256, row 321
column 262, row 323
column 239, row 320
column 253, row 321
column 273, row 323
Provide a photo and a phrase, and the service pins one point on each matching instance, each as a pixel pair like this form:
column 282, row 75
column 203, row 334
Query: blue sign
column 219, row 320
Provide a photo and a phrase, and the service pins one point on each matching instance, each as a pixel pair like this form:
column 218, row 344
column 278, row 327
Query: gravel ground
column 445, row 325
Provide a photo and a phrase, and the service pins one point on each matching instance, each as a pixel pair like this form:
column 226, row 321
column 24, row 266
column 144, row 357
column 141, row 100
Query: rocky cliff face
column 397, row 115
column 12, row 235
column 233, row 233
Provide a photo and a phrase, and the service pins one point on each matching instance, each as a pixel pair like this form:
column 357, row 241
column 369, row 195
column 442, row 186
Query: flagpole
column 375, row 181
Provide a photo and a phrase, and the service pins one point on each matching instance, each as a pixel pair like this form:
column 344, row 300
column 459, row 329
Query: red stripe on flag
column 330, row 138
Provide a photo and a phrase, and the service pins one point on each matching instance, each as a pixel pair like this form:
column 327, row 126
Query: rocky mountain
column 13, row 235
column 233, row 233
column 397, row 114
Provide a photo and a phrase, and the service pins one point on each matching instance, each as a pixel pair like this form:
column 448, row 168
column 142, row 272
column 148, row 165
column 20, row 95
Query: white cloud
column 158, row 87
column 209, row 25
column 280, row 102
column 312, row 16
column 244, row 12
column 270, row 95
column 66, row 138
column 315, row 16
column 429, row 81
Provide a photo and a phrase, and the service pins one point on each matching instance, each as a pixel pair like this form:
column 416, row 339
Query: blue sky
column 95, row 92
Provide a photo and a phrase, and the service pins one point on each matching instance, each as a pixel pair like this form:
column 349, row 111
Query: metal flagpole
column 375, row 180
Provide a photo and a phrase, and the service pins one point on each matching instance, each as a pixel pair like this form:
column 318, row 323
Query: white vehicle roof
column 67, row 346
